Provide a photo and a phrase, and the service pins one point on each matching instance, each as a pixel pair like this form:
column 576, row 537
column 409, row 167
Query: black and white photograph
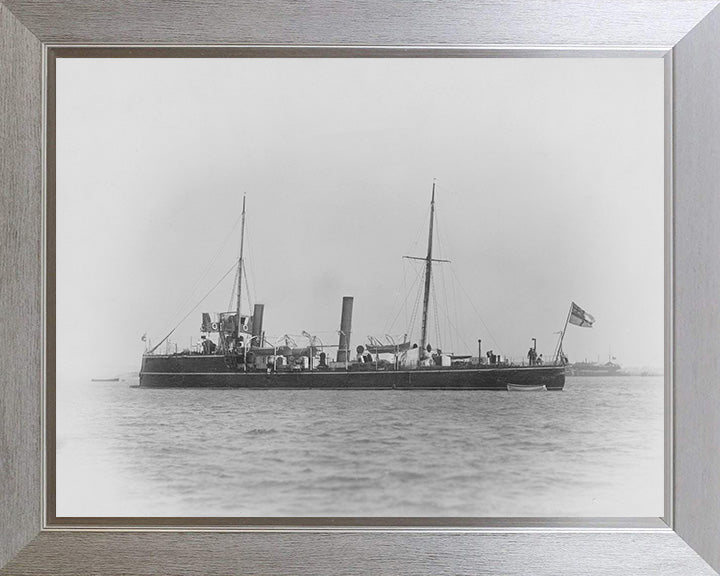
column 367, row 287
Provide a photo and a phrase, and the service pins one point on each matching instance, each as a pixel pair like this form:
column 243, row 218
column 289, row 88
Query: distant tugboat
column 243, row 358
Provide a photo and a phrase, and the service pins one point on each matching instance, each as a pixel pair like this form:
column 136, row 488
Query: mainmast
column 428, row 277
column 240, row 268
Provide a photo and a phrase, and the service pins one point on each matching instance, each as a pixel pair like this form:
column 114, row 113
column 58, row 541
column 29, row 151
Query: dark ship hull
column 217, row 371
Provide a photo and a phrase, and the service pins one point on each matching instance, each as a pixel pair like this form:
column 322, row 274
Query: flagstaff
column 578, row 317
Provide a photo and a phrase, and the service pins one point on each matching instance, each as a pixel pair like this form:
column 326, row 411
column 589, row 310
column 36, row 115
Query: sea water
column 594, row 449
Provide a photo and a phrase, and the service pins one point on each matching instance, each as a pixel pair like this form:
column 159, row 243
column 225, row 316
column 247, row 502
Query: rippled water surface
column 595, row 449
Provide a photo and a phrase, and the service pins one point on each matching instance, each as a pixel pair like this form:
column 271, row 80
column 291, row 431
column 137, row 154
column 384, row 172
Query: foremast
column 238, row 321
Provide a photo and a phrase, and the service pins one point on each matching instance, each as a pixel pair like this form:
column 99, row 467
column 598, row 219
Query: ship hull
column 214, row 372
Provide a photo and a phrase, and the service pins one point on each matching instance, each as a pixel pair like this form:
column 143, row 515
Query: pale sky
column 549, row 189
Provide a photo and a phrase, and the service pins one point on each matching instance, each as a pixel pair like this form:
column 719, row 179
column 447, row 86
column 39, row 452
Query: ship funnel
column 343, row 354
column 257, row 325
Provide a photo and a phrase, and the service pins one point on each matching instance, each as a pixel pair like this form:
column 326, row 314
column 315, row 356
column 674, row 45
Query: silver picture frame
column 686, row 34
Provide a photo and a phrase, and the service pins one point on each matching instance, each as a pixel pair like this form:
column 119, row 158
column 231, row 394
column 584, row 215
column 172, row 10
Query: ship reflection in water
column 233, row 452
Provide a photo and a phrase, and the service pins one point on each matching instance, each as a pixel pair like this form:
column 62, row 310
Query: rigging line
column 247, row 290
column 214, row 259
column 433, row 294
column 251, row 265
column 459, row 336
column 455, row 330
column 398, row 295
column 476, row 312
column 446, row 241
column 194, row 308
column 422, row 227
column 443, row 242
column 447, row 306
column 442, row 252
column 319, row 332
column 420, row 231
column 232, row 294
column 415, row 309
column 442, row 239
column 455, row 335
column 403, row 306
column 455, row 310
column 443, row 283
column 189, row 298
column 406, row 291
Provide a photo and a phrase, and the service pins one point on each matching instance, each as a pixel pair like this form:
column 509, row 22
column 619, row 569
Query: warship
column 238, row 355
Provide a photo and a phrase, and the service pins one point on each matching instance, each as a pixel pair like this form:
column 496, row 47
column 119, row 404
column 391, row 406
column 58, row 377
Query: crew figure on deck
column 532, row 356
column 208, row 346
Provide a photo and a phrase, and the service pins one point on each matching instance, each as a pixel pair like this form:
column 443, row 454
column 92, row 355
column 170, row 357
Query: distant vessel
column 243, row 357
column 105, row 380
column 609, row 368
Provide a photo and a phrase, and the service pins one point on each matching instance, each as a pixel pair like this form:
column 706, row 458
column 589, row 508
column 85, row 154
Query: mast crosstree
column 428, row 277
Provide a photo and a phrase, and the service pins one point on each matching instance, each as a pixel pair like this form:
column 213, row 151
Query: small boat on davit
column 235, row 353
